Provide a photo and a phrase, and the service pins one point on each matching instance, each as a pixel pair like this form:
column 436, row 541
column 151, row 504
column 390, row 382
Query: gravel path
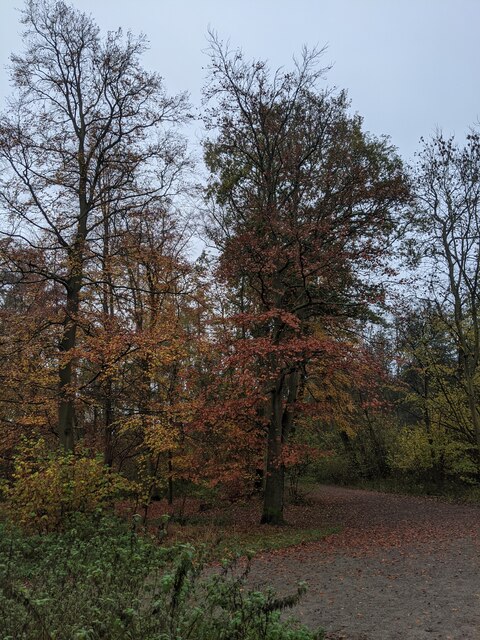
column 402, row 568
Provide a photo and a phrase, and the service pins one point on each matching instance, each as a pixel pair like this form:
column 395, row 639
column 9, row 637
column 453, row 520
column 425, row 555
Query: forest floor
column 401, row 567
column 398, row 568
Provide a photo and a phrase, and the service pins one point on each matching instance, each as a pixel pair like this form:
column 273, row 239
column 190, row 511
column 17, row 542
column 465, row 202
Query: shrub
column 100, row 579
column 48, row 487
column 337, row 469
column 419, row 454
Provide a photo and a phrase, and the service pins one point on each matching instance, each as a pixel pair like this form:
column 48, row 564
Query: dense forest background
column 328, row 329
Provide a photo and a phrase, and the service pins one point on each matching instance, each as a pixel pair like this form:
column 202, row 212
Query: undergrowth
column 101, row 579
column 450, row 492
column 229, row 542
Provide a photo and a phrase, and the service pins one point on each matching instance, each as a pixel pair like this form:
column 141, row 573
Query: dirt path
column 402, row 568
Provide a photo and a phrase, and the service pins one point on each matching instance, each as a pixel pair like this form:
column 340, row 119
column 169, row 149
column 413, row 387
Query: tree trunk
column 66, row 406
column 275, row 479
column 108, row 306
column 170, row 477
column 108, row 429
column 66, row 409
column 280, row 427
column 273, row 498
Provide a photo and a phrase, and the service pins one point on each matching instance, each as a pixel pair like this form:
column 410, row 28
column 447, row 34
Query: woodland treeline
column 329, row 325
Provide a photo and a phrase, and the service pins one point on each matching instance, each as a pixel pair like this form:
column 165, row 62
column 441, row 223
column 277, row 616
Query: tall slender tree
column 303, row 203
column 448, row 199
column 85, row 137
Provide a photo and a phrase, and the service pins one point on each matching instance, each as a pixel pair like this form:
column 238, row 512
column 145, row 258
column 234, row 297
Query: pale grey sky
column 409, row 65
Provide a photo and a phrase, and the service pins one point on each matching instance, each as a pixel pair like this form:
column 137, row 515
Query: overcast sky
column 409, row 65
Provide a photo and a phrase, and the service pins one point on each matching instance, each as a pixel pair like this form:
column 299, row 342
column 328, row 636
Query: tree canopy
column 279, row 349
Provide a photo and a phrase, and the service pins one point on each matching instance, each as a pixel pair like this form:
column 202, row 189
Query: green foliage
column 355, row 453
column 435, row 394
column 417, row 452
column 48, row 487
column 336, row 469
column 100, row 579
column 406, row 484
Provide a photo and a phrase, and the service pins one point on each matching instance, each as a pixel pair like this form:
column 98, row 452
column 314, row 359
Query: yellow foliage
column 417, row 450
column 162, row 436
column 48, row 487
column 414, row 450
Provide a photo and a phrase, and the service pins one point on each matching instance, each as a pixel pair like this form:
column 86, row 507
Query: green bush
column 101, row 580
column 419, row 454
column 336, row 469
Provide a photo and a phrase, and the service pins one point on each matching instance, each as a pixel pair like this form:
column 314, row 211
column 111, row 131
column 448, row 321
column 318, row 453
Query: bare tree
column 448, row 192
column 86, row 136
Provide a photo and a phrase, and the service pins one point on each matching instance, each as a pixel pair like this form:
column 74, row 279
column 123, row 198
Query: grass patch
column 226, row 539
column 232, row 530
column 272, row 539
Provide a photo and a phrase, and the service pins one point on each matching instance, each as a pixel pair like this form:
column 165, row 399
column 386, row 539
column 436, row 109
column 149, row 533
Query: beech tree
column 85, row 138
column 302, row 206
